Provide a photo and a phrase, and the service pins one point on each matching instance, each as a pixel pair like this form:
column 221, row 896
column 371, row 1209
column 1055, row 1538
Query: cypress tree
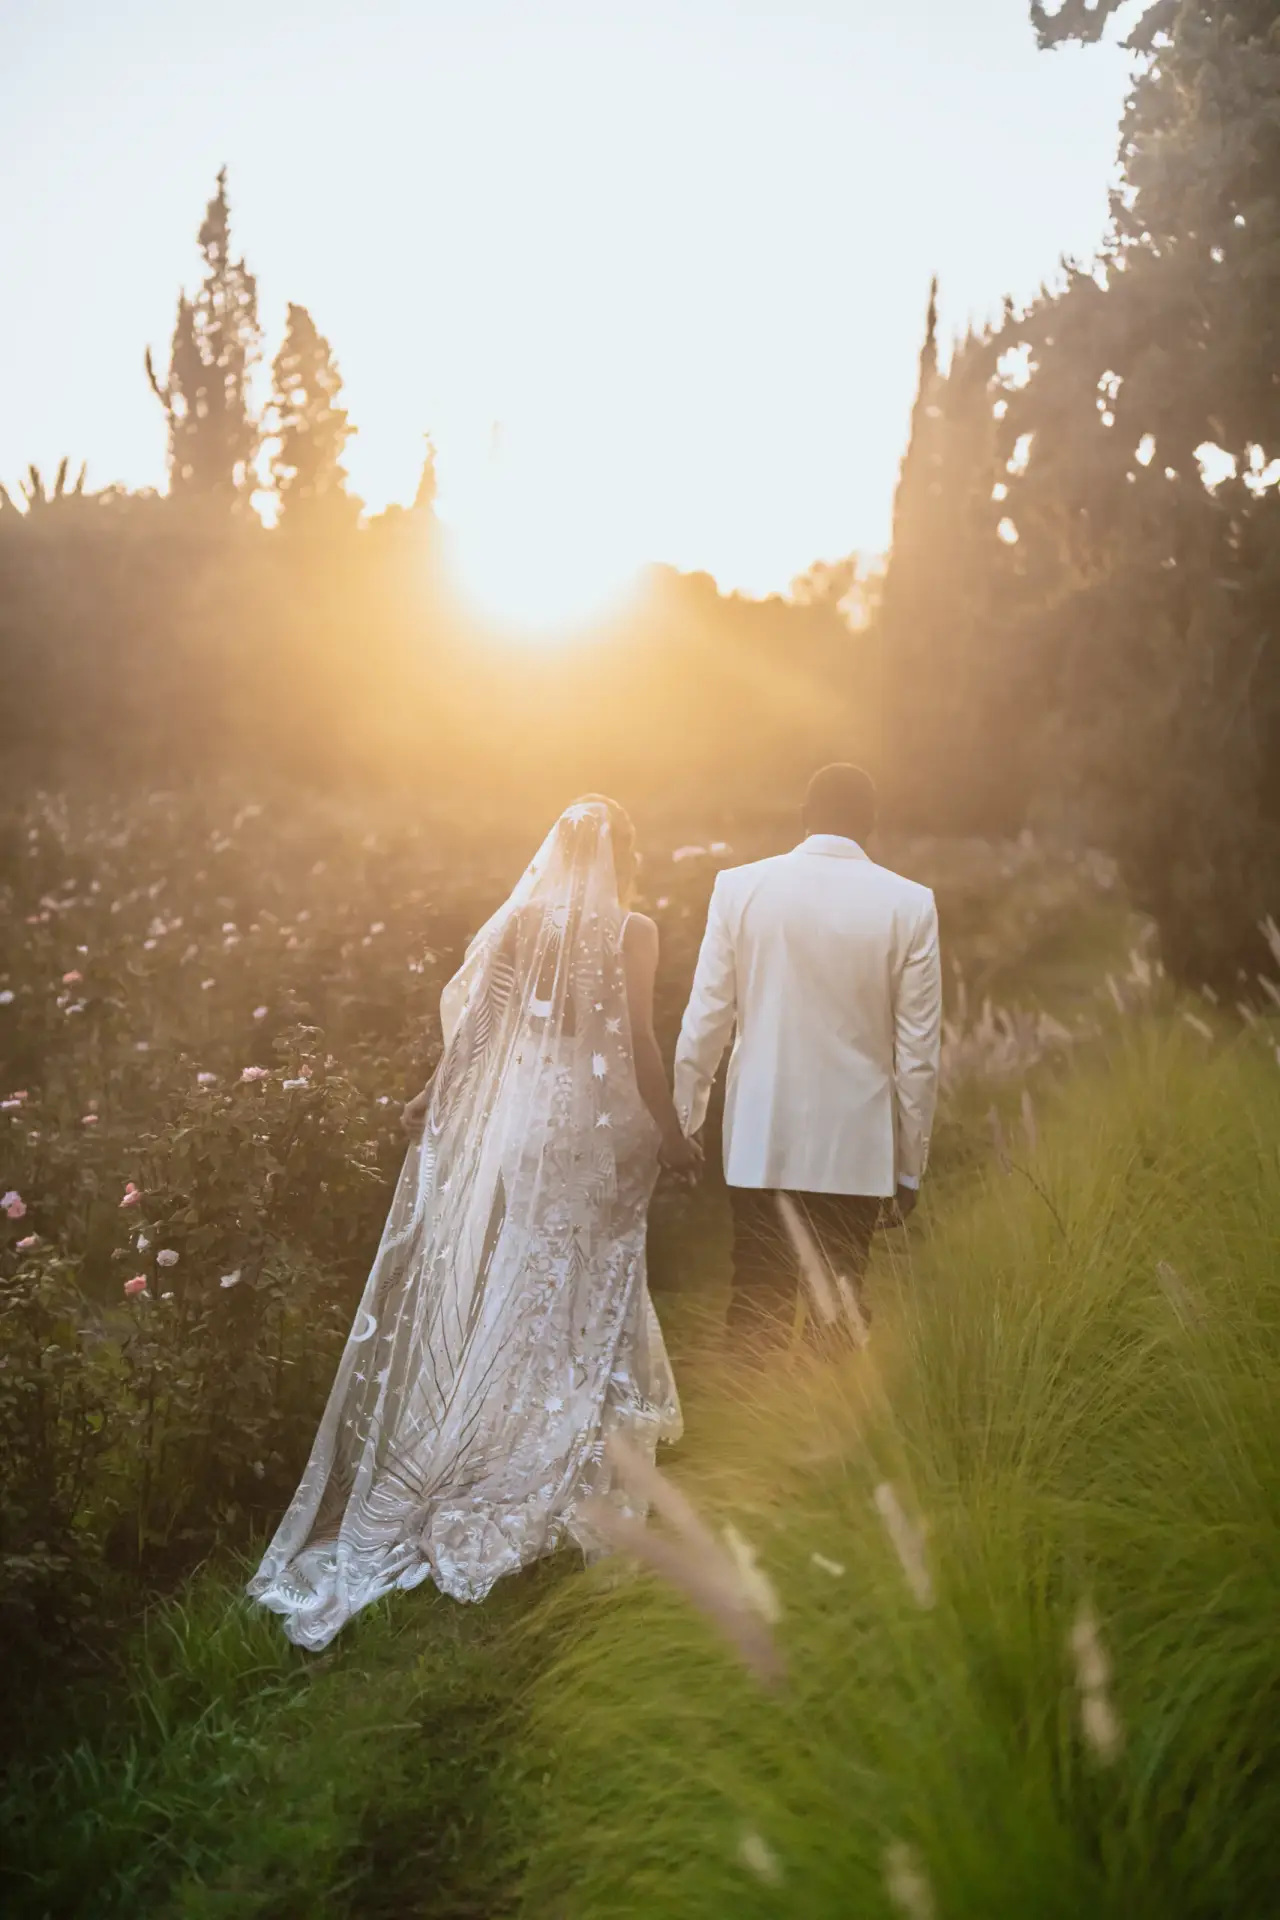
column 949, row 765
column 310, row 428
column 213, row 432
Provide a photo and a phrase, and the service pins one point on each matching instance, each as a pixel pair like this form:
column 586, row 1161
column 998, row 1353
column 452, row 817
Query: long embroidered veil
column 506, row 1326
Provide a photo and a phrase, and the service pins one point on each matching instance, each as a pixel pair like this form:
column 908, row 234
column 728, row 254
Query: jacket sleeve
column 709, row 1017
column 917, row 1050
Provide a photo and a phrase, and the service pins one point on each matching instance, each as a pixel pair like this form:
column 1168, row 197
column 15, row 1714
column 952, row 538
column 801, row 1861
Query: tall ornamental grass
column 1027, row 1550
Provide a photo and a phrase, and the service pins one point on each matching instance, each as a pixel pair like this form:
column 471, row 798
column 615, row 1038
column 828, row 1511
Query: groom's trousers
column 765, row 1269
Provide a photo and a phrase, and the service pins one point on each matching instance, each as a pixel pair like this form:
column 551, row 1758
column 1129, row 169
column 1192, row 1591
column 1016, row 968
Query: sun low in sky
column 679, row 248
column 534, row 559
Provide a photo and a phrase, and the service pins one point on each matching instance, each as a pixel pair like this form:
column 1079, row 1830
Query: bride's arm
column 640, row 963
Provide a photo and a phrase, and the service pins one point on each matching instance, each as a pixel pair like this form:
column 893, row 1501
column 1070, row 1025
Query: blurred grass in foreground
column 1073, row 1422
column 1074, row 1390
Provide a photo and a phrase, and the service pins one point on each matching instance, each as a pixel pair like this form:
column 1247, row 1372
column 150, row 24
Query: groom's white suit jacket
column 828, row 966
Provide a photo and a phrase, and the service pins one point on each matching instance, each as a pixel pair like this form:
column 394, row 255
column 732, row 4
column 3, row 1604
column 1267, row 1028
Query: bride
column 506, row 1329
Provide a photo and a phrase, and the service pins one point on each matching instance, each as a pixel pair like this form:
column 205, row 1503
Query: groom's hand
column 681, row 1155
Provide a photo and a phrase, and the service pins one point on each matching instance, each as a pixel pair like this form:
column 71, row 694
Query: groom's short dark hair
column 840, row 799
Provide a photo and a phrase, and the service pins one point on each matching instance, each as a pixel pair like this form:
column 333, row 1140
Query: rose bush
column 209, row 995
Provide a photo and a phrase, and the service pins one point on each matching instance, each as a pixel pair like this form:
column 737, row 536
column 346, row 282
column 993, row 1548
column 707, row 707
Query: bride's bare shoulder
column 639, row 934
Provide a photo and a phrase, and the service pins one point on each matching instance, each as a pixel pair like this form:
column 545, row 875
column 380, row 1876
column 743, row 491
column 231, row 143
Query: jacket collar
column 836, row 844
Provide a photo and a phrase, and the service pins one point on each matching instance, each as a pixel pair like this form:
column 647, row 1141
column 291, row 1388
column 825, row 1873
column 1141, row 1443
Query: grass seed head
column 853, row 1313
column 811, row 1260
column 723, row 1583
column 757, row 1587
column 908, row 1543
column 1269, row 987
column 759, row 1858
column 1099, row 1723
column 906, row 1882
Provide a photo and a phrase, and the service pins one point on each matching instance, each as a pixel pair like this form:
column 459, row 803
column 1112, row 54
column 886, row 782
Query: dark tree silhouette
column 1077, row 628
column 213, row 433
column 1154, row 639
column 36, row 494
column 948, row 592
column 310, row 429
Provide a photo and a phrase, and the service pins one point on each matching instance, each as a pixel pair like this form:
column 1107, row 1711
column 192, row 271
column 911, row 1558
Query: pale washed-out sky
column 679, row 249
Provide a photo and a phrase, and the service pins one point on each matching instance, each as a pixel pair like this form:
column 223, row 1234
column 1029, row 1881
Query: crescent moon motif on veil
column 357, row 1336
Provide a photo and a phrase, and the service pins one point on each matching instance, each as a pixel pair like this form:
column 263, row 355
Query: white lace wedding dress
column 506, row 1328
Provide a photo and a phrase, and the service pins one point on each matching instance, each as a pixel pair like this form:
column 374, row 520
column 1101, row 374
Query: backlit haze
column 652, row 273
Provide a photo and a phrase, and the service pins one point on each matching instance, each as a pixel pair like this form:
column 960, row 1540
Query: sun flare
column 539, row 569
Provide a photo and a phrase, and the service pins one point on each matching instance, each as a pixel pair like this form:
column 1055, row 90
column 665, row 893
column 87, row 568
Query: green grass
column 221, row 1771
column 584, row 1748
column 240, row 1777
column 1037, row 1399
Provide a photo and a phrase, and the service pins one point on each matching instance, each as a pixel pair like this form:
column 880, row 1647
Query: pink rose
column 89, row 1120
column 32, row 1240
column 251, row 1074
column 132, row 1196
column 73, row 978
column 138, row 1284
column 14, row 1205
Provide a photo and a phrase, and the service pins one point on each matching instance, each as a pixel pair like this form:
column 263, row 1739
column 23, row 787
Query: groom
column 827, row 966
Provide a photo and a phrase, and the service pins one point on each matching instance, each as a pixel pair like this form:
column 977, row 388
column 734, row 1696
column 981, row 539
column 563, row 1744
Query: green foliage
column 1095, row 643
column 233, row 1775
column 1075, row 1423
column 178, row 1272
column 150, row 953
column 1162, row 596
column 1076, row 19
column 954, row 737
column 55, row 1400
